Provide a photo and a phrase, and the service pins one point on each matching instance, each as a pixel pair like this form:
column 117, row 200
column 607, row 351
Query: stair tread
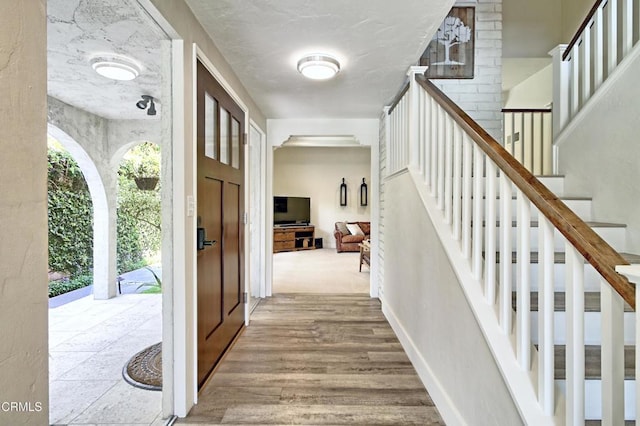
column 592, row 224
column 591, row 302
column 592, row 362
column 560, row 258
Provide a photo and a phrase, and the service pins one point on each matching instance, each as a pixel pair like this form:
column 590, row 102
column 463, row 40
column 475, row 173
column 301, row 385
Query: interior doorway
column 314, row 174
column 257, row 215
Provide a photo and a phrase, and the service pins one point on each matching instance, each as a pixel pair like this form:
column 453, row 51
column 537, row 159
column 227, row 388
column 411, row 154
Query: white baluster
column 574, row 281
column 429, row 136
column 419, row 131
column 545, row 316
column 598, row 47
column 524, row 284
column 506, row 255
column 448, row 172
column 434, row 150
column 457, row 181
column 478, row 193
column 575, row 80
column 424, row 131
column 513, row 134
column 585, row 64
column 612, row 355
column 490, row 233
column 442, row 135
column 521, row 138
column 531, row 142
column 612, row 35
column 466, row 196
column 626, row 27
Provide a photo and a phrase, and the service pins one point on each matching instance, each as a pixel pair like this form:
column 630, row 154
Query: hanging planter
column 146, row 183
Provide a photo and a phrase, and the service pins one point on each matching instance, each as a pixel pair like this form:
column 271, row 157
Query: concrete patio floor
column 89, row 343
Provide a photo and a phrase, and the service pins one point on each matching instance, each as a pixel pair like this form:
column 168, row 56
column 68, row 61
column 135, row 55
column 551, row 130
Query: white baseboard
column 446, row 407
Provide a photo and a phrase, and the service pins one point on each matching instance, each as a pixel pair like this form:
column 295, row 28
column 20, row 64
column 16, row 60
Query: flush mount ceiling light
column 115, row 68
column 318, row 66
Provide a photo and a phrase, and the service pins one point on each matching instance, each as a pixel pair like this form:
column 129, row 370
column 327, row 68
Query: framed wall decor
column 451, row 50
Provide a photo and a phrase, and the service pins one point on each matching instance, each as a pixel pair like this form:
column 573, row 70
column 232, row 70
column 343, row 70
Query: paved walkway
column 89, row 343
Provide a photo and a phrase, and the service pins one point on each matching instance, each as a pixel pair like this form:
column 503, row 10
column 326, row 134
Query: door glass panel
column 210, row 141
column 235, row 143
column 224, row 136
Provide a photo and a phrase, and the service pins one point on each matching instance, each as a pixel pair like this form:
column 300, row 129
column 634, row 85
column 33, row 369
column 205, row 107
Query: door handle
column 202, row 241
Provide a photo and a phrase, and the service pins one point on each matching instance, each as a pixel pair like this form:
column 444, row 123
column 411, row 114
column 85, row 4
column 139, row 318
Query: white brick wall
column 383, row 175
column 481, row 97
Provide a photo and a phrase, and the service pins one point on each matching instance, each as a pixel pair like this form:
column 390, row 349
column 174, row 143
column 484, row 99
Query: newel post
column 560, row 111
column 414, row 115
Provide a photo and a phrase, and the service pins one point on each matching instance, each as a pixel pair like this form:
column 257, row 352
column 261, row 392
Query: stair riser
column 592, row 328
column 614, row 236
column 580, row 207
column 591, row 277
column 593, row 398
column 554, row 183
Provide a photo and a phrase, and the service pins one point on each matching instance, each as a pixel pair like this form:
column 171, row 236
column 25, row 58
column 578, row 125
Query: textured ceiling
column 375, row 40
column 78, row 30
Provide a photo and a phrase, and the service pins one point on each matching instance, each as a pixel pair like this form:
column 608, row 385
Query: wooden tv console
column 293, row 238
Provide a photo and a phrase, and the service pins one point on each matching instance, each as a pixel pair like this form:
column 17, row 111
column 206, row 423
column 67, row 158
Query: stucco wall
column 600, row 155
column 23, row 212
column 423, row 293
column 317, row 173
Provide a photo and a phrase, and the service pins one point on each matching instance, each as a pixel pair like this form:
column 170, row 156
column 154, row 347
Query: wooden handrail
column 507, row 110
column 398, row 97
column 581, row 29
column 592, row 247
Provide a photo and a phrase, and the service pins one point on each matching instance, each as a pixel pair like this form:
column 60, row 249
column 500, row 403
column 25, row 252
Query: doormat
column 144, row 369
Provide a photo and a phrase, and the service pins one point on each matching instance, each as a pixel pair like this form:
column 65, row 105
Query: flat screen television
column 291, row 210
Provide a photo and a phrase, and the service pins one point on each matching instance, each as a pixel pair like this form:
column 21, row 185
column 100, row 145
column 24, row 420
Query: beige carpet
column 319, row 271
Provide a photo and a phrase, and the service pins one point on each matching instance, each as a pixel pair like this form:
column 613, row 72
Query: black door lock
column 202, row 242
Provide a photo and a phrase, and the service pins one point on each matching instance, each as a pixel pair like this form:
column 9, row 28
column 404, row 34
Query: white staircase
column 532, row 241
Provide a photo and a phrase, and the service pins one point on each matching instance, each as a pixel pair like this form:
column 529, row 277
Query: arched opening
column 139, row 227
column 100, row 204
column 70, row 217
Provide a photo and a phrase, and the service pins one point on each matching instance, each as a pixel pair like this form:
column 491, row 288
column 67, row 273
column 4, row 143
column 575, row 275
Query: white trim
column 194, row 221
column 440, row 397
column 269, row 219
column 181, row 403
column 263, row 207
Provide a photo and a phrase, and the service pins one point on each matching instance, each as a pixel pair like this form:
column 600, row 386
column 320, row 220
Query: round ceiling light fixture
column 318, row 66
column 115, row 68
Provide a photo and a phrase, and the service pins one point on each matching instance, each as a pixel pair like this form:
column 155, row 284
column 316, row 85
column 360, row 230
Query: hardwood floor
column 316, row 359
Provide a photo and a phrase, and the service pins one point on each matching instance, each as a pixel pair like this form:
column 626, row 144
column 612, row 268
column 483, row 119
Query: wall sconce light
column 147, row 101
column 343, row 193
column 363, row 194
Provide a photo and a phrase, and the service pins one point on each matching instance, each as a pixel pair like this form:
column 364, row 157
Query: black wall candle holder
column 343, row 193
column 364, row 200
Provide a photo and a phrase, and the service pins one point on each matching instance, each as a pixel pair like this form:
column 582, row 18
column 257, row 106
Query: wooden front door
column 220, row 183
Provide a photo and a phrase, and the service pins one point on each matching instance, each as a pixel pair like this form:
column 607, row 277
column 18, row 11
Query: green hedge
column 71, row 217
column 57, row 288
